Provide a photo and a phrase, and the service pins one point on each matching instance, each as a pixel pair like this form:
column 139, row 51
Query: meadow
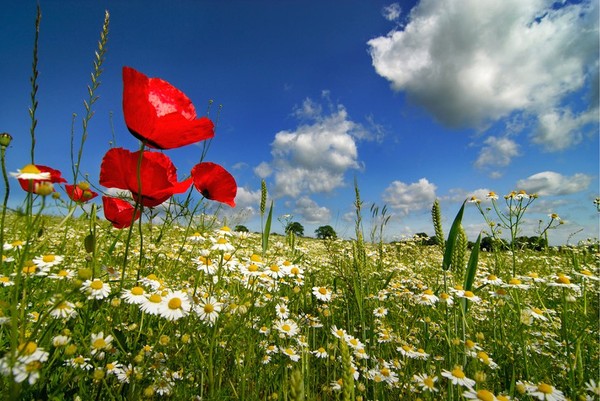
column 146, row 296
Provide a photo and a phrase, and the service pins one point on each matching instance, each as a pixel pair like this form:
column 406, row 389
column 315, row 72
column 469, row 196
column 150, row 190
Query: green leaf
column 451, row 241
column 267, row 230
column 472, row 265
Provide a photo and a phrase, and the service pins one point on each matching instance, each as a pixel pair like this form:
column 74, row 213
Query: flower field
column 145, row 296
column 203, row 313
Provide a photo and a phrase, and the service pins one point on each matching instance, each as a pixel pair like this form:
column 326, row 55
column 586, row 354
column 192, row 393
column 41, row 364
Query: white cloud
column 459, row 194
column 471, row 62
column 391, row 12
column 560, row 129
column 263, row 170
column 247, row 199
column 314, row 157
column 497, row 152
column 410, row 197
column 549, row 183
column 311, row 212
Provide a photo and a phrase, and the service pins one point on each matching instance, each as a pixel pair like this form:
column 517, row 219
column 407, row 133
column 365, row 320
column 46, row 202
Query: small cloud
column 263, row 170
column 550, row 183
column 239, row 166
column 410, row 197
column 247, row 199
column 560, row 129
column 497, row 152
column 311, row 212
column 391, row 12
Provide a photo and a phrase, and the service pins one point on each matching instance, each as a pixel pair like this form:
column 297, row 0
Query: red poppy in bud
column 159, row 114
column 32, row 175
column 214, row 183
column 119, row 212
column 119, row 169
column 81, row 192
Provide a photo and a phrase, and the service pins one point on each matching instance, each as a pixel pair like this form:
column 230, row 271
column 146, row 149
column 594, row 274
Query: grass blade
column 451, row 241
column 267, row 230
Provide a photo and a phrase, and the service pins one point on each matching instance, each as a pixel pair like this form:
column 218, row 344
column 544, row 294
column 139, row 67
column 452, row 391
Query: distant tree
column 490, row 244
column 295, row 227
column 240, row 228
column 325, row 232
column 421, row 238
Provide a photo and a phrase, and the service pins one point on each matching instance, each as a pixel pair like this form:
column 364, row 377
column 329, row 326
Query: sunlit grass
column 212, row 318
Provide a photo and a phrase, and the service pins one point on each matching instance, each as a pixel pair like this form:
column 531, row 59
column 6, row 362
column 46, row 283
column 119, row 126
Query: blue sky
column 415, row 100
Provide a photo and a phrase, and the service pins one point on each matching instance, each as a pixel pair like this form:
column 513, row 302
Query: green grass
column 248, row 354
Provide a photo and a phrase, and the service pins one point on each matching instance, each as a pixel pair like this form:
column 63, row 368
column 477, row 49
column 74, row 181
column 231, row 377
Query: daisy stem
column 5, row 201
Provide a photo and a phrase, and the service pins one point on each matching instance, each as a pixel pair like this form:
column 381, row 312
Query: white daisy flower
column 175, row 305
column 95, row 289
column 458, row 377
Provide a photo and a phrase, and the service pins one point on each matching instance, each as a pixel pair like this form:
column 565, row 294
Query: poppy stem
column 138, row 206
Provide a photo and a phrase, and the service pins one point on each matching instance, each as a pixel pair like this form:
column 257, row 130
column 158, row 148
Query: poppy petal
column 119, row 169
column 77, row 194
column 159, row 114
column 214, row 183
column 119, row 212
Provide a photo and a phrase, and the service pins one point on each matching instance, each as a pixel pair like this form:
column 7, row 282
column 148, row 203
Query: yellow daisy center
column 96, row 285
column 514, row 281
column 428, row 292
column 137, row 291
column 99, row 343
column 30, row 169
column 323, row 290
column 469, row 294
column 155, row 298
column 545, row 388
column 485, row 395
column 274, row 268
column 255, row 258
column 174, row 303
column 286, row 327
column 428, row 381
column 221, row 241
column 209, row 308
column 563, row 280
column 457, row 372
column 484, row 357
column 253, row 268
column 48, row 258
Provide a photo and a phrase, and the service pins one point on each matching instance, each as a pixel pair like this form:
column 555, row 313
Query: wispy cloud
column 311, row 212
column 392, row 12
column 549, row 183
column 471, row 63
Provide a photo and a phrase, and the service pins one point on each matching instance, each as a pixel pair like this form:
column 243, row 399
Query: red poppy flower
column 30, row 185
column 119, row 212
column 81, row 192
column 119, row 169
column 214, row 183
column 159, row 114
